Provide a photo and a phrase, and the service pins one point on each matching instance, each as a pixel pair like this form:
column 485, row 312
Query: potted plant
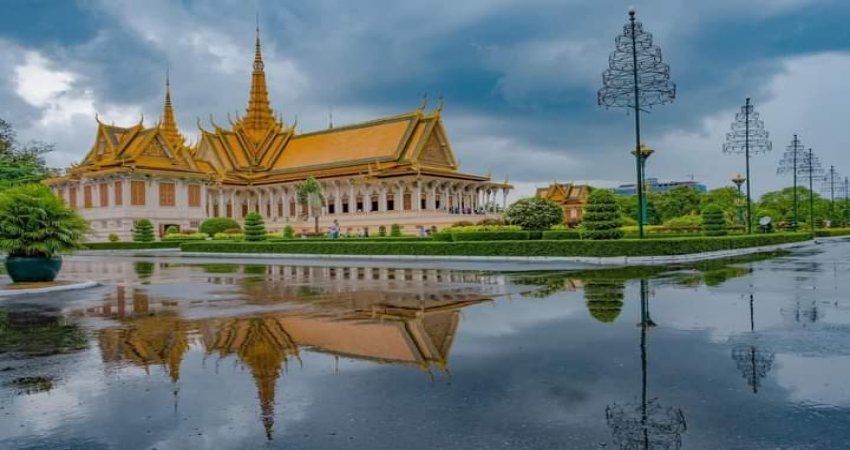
column 35, row 228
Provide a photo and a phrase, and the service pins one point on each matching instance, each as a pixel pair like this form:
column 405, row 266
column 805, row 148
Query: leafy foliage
column 255, row 228
column 113, row 237
column 395, row 230
column 602, row 216
column 185, row 236
column 623, row 247
column 604, row 298
column 218, row 225
column 288, row 232
column 382, row 230
column 713, row 223
column 20, row 164
column 33, row 222
column 534, row 213
column 143, row 231
column 309, row 194
column 677, row 202
column 171, row 230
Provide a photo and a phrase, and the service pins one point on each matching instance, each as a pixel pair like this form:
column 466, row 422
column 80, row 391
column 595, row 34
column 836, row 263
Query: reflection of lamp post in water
column 647, row 425
column 645, row 153
column 739, row 203
column 752, row 362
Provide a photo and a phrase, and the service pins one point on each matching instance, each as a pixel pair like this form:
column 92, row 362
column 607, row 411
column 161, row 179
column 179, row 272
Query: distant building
column 571, row 197
column 653, row 185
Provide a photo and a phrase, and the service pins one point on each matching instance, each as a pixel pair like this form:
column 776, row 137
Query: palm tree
column 310, row 195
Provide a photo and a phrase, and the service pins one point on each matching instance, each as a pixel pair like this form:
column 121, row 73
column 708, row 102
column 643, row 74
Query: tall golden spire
column 168, row 126
column 259, row 117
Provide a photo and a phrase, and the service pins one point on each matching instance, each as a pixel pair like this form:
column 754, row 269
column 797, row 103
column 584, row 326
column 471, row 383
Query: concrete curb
column 47, row 290
column 614, row 261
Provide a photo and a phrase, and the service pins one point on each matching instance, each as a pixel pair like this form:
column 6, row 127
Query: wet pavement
column 174, row 353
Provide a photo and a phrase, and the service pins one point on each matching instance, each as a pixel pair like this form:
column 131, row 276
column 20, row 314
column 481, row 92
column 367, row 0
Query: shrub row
column 831, row 232
column 490, row 236
column 562, row 234
column 627, row 247
column 130, row 245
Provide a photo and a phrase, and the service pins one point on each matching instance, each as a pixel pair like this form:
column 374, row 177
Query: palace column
column 222, row 209
column 382, row 197
column 285, row 198
column 418, row 199
column 398, row 203
column 352, row 200
column 337, row 197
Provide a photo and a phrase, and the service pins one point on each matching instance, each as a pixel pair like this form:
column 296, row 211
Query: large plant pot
column 30, row 269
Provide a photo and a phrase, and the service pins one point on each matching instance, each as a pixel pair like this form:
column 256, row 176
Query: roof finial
column 424, row 102
column 168, row 124
column 440, row 104
column 331, row 118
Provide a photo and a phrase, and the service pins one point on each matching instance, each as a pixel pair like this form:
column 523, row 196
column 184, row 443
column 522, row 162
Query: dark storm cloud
column 520, row 73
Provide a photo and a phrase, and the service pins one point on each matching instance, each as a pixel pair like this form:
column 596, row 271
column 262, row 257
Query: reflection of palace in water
column 404, row 326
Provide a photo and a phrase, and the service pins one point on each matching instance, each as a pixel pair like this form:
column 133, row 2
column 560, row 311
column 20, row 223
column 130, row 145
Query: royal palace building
column 398, row 169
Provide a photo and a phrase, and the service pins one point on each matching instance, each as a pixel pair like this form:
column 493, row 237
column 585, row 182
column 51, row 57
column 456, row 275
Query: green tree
column 713, row 223
column 534, row 213
column 34, row 222
column 782, row 201
column 382, row 231
column 629, row 208
column 255, row 228
column 21, row 164
column 728, row 199
column 602, row 216
column 288, row 232
column 677, row 202
column 172, row 230
column 143, row 231
column 309, row 194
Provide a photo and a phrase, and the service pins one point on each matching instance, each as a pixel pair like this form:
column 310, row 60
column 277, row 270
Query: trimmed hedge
column 490, row 236
column 626, row 247
column 832, row 232
column 131, row 245
column 558, row 235
column 218, row 225
column 277, row 238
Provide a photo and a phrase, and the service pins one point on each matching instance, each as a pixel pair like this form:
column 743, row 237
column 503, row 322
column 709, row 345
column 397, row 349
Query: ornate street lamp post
column 739, row 180
column 747, row 137
column 831, row 183
column 812, row 168
column 645, row 153
column 790, row 163
column 636, row 77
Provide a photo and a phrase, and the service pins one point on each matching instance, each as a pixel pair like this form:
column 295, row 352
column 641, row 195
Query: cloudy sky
column 519, row 77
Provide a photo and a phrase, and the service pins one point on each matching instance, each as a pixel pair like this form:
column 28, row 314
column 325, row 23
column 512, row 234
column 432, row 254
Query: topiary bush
column 713, row 223
column 602, row 216
column 113, row 237
column 395, row 230
column 218, row 225
column 255, row 228
column 143, row 231
column 171, row 230
column 604, row 299
column 288, row 232
column 534, row 213
column 382, row 231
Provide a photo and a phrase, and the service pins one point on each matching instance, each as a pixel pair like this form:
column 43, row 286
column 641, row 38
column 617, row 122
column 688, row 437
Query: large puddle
column 180, row 353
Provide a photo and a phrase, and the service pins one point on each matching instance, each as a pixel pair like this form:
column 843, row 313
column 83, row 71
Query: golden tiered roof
column 259, row 149
column 564, row 193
